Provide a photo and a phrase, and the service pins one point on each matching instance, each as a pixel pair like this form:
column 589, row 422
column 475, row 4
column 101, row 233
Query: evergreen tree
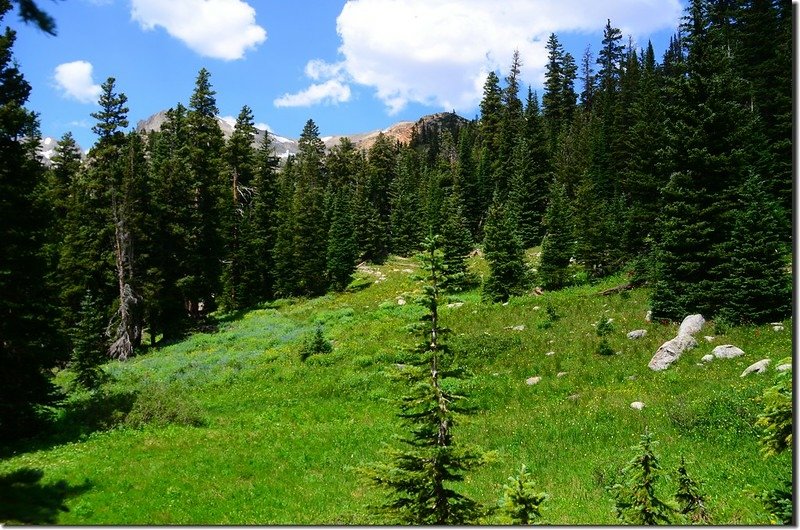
column 342, row 250
column 406, row 224
column 417, row 479
column 28, row 340
column 456, row 244
column 520, row 502
column 636, row 501
column 240, row 157
column 503, row 250
column 691, row 502
column 262, row 227
column 204, row 163
column 89, row 344
column 510, row 129
column 695, row 269
column 557, row 245
column 285, row 227
column 308, row 210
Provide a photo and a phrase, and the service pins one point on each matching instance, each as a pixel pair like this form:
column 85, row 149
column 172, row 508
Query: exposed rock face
column 758, row 367
column 670, row 351
column 637, row 334
column 727, row 351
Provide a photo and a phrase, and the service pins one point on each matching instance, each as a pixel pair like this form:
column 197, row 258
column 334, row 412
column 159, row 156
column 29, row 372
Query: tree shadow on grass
column 96, row 412
column 25, row 500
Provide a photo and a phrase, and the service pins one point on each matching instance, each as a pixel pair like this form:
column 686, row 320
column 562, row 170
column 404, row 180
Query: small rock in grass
column 401, row 301
column 783, row 367
column 778, row 327
column 727, row 351
column 691, row 324
column 536, row 308
column 638, row 405
column 455, row 304
column 573, row 397
column 759, row 367
column 707, row 358
column 550, row 353
column 521, row 327
column 408, row 271
column 505, row 304
column 631, row 378
column 648, row 317
column 533, row 380
column 709, row 338
column 561, row 374
column 637, row 334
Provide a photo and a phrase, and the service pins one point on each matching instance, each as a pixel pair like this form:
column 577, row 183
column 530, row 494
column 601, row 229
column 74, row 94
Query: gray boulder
column 691, row 325
column 638, row 405
column 759, row 367
column 670, row 351
column 783, row 367
column 707, row 358
column 533, row 380
column 637, row 334
column 727, row 351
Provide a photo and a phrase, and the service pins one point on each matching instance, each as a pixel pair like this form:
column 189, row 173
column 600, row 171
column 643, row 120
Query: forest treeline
column 678, row 171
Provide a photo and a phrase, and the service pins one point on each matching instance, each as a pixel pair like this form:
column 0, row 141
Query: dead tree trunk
column 125, row 327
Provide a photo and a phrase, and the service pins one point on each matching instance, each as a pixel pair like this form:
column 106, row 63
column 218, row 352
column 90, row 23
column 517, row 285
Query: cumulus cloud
column 221, row 29
column 439, row 53
column 331, row 91
column 75, row 81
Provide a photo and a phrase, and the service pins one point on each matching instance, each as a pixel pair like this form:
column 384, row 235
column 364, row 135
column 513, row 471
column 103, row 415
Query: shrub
column 315, row 344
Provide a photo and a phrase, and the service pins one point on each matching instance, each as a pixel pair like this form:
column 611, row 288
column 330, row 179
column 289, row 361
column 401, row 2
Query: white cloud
column 221, row 29
column 330, row 91
column 75, row 81
column 439, row 52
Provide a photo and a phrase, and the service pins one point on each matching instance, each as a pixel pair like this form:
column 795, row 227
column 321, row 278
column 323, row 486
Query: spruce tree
column 456, row 244
column 691, row 502
column 557, row 246
column 209, row 190
column 240, row 157
column 503, row 250
column 283, row 253
column 636, row 500
column 520, row 502
column 89, row 344
column 418, row 477
column 308, row 210
column 406, row 226
column 342, row 250
column 28, row 339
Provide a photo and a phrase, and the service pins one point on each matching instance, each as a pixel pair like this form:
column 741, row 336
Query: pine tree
column 28, row 340
column 406, row 226
column 417, row 479
column 503, row 250
column 636, row 501
column 285, row 227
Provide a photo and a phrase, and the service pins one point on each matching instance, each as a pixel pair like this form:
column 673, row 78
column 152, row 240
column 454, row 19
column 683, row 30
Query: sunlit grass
column 283, row 438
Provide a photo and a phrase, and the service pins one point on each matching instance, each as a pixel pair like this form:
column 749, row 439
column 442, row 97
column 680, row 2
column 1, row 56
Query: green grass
column 281, row 440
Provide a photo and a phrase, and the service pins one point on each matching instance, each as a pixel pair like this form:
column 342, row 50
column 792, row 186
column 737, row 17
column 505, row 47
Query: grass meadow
column 232, row 428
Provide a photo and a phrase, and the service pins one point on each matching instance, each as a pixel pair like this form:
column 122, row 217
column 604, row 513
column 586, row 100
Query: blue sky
column 352, row 66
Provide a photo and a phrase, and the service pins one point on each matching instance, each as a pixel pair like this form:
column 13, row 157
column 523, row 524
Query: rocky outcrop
column 670, row 351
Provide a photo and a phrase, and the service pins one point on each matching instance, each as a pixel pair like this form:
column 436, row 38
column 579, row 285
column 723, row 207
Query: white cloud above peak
column 438, row 52
column 75, row 81
column 221, row 29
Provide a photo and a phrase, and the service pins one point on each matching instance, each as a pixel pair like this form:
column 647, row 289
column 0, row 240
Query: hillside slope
column 283, row 440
